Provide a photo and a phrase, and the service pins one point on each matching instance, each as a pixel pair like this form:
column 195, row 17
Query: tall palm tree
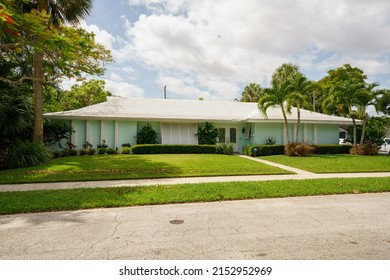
column 277, row 95
column 366, row 98
column 60, row 11
column 344, row 97
column 251, row 93
column 299, row 97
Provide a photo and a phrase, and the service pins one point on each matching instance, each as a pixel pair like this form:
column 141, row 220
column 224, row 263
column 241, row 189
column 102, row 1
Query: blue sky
column 212, row 49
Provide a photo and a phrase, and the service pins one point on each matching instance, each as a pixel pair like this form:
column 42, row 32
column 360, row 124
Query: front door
column 227, row 135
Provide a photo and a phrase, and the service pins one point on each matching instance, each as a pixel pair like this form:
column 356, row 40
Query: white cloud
column 123, row 89
column 101, row 36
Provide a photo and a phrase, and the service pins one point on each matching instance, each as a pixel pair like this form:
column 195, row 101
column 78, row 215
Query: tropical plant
column 25, row 153
column 277, row 95
column 146, row 135
column 251, row 93
column 383, row 101
column 207, row 134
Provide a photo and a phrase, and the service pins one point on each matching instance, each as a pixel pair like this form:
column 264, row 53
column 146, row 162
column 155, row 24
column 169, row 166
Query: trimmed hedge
column 173, row 149
column 332, row 149
column 266, row 150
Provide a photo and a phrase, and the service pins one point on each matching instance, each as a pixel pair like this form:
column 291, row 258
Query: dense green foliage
column 57, row 200
column 146, row 135
column 173, row 149
column 332, row 149
column 251, row 93
column 207, row 134
column 266, row 150
column 26, row 153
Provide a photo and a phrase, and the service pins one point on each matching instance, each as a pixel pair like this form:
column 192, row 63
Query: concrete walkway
column 299, row 175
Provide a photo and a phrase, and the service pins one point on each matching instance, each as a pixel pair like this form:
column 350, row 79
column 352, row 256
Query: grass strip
column 335, row 163
column 113, row 167
column 73, row 199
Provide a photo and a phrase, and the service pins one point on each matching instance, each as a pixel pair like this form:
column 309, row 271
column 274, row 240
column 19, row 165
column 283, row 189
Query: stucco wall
column 265, row 130
column 327, row 134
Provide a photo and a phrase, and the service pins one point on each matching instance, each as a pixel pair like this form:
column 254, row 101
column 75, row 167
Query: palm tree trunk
column 286, row 124
column 363, row 129
column 354, row 131
column 298, row 123
column 38, row 97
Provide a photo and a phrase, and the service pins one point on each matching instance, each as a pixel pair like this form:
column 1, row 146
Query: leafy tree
column 207, row 134
column 146, row 135
column 383, row 101
column 375, row 130
column 57, row 51
column 366, row 97
column 79, row 96
column 251, row 93
column 344, row 96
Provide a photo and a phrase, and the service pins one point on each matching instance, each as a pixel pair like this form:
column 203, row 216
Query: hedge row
column 173, row 149
column 267, row 150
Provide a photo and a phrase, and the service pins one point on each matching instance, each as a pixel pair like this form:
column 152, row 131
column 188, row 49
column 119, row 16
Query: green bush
column 72, row 152
column 223, row 148
column 146, row 135
column 102, row 151
column 91, row 151
column 207, row 134
column 64, row 153
column 56, row 154
column 332, row 149
column 111, row 151
column 125, row 150
column 246, row 150
column 266, row 150
column 26, row 153
column 173, row 149
column 83, row 152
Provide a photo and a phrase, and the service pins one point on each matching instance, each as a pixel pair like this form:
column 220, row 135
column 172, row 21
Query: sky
column 212, row 49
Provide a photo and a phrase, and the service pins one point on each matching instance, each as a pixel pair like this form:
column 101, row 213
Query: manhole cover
column 176, row 222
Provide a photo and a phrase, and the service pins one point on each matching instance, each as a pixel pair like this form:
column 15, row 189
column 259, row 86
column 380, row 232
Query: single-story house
column 118, row 120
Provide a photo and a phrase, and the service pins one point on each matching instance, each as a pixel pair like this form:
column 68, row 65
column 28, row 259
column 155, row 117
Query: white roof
column 188, row 110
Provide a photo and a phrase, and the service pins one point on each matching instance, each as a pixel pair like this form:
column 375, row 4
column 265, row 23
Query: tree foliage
column 146, row 135
column 251, row 93
column 207, row 134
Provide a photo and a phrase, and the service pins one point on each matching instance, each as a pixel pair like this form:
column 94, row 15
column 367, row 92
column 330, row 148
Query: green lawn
column 109, row 167
column 55, row 200
column 335, row 163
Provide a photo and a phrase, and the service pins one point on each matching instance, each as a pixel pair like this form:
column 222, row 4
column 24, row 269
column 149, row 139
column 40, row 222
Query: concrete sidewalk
column 300, row 174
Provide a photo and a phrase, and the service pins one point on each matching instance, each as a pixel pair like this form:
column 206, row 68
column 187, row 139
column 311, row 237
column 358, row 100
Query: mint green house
column 118, row 120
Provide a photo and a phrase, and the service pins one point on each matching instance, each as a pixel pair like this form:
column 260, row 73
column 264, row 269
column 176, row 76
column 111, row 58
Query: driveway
column 322, row 227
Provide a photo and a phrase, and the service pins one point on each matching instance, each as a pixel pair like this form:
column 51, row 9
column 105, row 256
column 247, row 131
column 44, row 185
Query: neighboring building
column 118, row 120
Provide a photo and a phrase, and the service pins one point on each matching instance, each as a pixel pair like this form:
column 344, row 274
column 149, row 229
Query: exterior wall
column 327, row 134
column 93, row 132
column 126, row 132
column 108, row 133
column 79, row 136
column 264, row 130
column 179, row 133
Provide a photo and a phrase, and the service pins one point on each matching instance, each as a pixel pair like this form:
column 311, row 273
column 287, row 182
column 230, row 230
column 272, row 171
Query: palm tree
column 299, row 97
column 277, row 95
column 251, row 93
column 366, row 98
column 286, row 71
column 344, row 97
column 60, row 11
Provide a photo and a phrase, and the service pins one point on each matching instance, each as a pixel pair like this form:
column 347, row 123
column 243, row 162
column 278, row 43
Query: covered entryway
column 227, row 135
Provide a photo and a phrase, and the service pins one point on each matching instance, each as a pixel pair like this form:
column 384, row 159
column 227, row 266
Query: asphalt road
column 322, row 227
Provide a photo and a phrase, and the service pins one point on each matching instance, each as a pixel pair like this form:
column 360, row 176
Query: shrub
column 101, row 151
column 64, row 153
column 83, row 152
column 56, row 154
column 91, row 151
column 207, row 134
column 245, row 150
column 102, row 145
column 173, row 149
column 26, row 153
column 146, row 135
column 266, row 150
column 368, row 149
column 298, row 149
column 72, row 152
column 222, row 148
column 87, row 145
column 125, row 150
column 111, row 151
column 128, row 145
column 332, row 149
column 270, row 141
